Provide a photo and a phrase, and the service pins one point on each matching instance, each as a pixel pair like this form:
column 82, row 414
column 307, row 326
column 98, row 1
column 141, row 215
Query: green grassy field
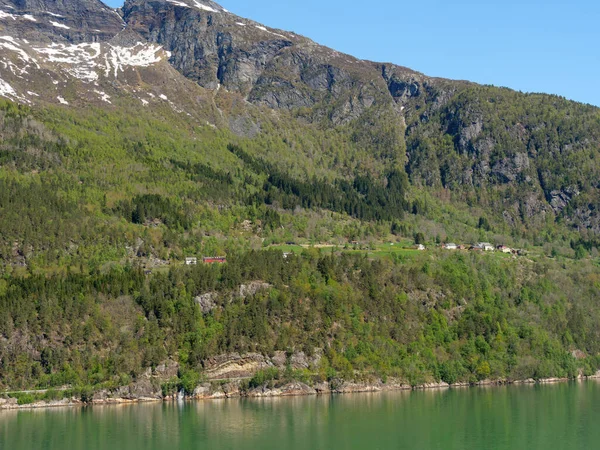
column 403, row 249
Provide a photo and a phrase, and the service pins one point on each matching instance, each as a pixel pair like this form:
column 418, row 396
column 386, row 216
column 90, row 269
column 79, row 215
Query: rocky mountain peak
column 72, row 21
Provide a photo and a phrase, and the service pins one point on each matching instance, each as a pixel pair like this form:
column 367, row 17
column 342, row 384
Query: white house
column 486, row 246
column 504, row 249
column 420, row 247
column 191, row 261
column 450, row 246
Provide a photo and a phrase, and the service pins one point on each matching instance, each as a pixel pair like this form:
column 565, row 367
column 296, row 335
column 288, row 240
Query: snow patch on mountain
column 140, row 55
column 59, row 25
column 76, row 60
column 176, row 3
column 6, row 89
column 261, row 28
column 103, row 96
column 204, row 7
column 25, row 61
column 85, row 61
column 10, row 43
column 5, row 15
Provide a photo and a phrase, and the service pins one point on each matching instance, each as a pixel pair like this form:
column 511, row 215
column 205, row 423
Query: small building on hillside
column 450, row 246
column 420, row 247
column 504, row 249
column 214, row 260
column 486, row 246
column 191, row 261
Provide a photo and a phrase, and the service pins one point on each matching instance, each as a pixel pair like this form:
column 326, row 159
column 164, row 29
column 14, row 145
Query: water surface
column 561, row 416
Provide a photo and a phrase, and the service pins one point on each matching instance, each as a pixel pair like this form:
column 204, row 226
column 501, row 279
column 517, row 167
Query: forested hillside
column 181, row 130
column 447, row 317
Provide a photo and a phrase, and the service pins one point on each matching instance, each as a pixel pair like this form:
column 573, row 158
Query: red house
column 214, row 260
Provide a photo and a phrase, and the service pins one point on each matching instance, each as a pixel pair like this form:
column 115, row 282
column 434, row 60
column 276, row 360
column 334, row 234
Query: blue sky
column 529, row 45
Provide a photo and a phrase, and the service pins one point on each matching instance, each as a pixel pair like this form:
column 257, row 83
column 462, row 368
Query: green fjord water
column 561, row 416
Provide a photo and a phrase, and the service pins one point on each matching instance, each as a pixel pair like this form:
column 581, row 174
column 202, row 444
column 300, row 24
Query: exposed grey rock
column 508, row 169
column 121, row 392
column 272, row 68
column 468, row 132
column 207, row 301
column 252, row 288
column 323, row 388
column 203, row 391
column 61, row 20
column 100, row 396
column 166, row 370
column 586, row 218
column 144, row 388
column 299, row 360
column 232, row 389
column 559, row 199
column 279, row 359
column 286, row 390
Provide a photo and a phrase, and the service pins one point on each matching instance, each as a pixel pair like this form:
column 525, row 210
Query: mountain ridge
column 212, row 67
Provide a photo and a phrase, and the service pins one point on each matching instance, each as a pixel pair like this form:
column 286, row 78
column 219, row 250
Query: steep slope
column 520, row 149
column 273, row 68
column 269, row 67
column 41, row 67
column 523, row 161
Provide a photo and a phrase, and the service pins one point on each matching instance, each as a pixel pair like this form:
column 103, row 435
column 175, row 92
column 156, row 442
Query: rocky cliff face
column 60, row 20
column 235, row 365
column 268, row 67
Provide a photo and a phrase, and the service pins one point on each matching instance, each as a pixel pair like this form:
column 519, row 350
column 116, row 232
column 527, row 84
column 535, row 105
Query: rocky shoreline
column 229, row 375
column 236, row 389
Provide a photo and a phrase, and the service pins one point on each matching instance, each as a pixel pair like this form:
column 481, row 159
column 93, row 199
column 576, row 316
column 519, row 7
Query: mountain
column 131, row 139
column 521, row 157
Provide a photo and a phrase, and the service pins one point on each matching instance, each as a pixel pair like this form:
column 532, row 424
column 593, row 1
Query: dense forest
column 451, row 317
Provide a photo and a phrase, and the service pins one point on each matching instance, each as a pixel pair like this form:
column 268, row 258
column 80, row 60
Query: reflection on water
column 527, row 417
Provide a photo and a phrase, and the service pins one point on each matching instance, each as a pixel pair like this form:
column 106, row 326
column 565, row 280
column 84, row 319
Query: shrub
column 264, row 376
